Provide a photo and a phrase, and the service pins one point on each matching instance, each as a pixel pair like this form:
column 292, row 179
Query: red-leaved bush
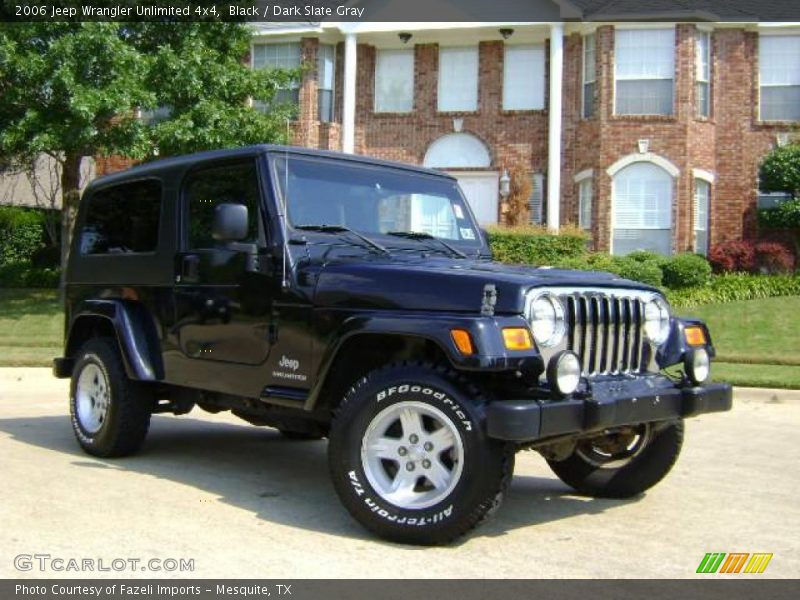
column 735, row 256
column 748, row 257
column 773, row 257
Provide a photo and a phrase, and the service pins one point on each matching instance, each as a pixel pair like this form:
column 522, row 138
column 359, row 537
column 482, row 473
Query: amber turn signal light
column 463, row 341
column 517, row 338
column 695, row 336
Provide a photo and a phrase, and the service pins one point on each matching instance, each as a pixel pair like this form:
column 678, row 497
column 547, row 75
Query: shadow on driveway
column 281, row 481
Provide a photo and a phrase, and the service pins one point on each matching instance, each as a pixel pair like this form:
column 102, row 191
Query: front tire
column 110, row 414
column 623, row 463
column 409, row 456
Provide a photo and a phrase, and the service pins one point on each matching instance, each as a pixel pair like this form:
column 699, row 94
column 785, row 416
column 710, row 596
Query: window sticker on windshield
column 467, row 233
column 459, row 212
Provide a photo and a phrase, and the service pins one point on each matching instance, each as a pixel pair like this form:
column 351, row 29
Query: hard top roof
column 188, row 160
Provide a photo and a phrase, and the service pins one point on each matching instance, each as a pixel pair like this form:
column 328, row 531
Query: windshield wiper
column 344, row 229
column 421, row 235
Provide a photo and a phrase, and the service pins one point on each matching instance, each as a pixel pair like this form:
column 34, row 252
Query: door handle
column 190, row 268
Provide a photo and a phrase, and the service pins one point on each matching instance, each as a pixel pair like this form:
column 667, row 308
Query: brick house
column 648, row 135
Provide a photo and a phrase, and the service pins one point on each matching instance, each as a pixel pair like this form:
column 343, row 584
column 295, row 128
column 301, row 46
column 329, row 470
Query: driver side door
column 223, row 296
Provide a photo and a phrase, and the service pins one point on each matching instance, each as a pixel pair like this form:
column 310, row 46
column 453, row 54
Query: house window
column 702, row 197
column 279, row 56
column 645, row 70
column 779, row 70
column 589, row 77
column 458, row 79
column 642, row 214
column 394, row 81
column 536, row 202
column 703, row 73
column 326, row 61
column 523, row 78
column 585, row 204
column 772, row 199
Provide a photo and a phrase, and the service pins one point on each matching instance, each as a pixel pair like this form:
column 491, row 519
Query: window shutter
column 536, row 204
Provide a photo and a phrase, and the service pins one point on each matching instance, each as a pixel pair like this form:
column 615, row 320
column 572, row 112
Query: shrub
column 647, row 271
column 645, row 256
column 785, row 216
column 21, row 233
column 736, row 286
column 735, row 256
column 685, row 270
column 46, row 256
column 534, row 245
column 23, row 275
column 773, row 257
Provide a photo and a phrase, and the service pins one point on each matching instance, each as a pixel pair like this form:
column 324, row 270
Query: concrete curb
column 765, row 395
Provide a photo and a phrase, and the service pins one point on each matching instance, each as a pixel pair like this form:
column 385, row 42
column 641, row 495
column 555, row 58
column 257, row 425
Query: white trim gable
column 643, row 157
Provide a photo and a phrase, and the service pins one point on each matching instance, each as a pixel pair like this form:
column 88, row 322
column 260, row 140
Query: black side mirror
column 230, row 222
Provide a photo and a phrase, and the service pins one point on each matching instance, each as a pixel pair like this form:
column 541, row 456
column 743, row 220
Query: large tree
column 71, row 90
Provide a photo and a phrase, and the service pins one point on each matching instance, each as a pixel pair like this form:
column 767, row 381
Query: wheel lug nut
column 402, row 451
column 413, row 438
column 428, row 446
column 410, row 466
column 426, row 463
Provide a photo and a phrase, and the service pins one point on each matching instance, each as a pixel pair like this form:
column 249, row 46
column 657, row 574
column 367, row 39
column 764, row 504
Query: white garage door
column 481, row 191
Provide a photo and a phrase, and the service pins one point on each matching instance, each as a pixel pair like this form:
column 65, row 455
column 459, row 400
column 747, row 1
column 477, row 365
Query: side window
column 205, row 188
column 123, row 219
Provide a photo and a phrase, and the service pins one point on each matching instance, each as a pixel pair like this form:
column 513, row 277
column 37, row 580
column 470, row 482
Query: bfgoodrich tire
column 622, row 464
column 110, row 414
column 409, row 456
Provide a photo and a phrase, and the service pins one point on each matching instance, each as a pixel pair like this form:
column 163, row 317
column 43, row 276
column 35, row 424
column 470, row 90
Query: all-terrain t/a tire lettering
column 428, row 473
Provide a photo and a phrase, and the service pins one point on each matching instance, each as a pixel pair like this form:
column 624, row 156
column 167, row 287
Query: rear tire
column 409, row 456
column 110, row 414
column 604, row 467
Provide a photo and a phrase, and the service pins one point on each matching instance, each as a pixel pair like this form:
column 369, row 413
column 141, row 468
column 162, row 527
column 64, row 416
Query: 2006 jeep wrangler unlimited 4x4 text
column 337, row 296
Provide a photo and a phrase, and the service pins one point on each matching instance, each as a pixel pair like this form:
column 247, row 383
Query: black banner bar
column 416, row 589
column 300, row 11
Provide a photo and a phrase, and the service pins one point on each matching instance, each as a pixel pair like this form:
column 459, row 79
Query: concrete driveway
column 242, row 502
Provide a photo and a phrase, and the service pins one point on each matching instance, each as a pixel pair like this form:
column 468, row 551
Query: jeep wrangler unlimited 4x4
column 336, row 296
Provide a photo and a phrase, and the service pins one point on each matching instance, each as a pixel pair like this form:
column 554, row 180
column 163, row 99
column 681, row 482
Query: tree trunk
column 70, row 195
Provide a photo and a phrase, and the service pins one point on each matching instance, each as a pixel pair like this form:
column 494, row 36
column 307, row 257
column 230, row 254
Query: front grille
column 606, row 332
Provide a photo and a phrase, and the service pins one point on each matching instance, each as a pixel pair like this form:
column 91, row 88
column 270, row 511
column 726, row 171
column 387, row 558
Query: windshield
column 373, row 200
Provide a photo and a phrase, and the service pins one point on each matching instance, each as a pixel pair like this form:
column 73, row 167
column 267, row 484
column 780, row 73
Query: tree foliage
column 780, row 170
column 71, row 90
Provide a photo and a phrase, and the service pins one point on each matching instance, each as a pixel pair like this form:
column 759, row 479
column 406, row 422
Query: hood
column 443, row 284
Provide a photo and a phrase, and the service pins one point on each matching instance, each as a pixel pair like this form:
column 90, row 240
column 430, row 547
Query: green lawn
column 765, row 331
column 758, row 341
column 31, row 327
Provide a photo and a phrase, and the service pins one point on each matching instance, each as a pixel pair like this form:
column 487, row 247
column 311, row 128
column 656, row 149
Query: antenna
column 284, row 205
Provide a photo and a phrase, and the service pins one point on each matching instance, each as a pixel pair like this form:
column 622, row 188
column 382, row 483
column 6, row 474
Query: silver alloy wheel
column 615, row 449
column 412, row 455
column 92, row 397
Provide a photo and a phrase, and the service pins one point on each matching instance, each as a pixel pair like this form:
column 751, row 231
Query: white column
column 554, row 127
column 349, row 102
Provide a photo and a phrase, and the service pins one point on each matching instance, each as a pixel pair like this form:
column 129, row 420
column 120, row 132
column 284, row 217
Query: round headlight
column 564, row 372
column 698, row 366
column 656, row 320
column 547, row 320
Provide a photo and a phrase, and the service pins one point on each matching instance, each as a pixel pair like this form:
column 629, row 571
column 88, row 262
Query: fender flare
column 485, row 333
column 135, row 333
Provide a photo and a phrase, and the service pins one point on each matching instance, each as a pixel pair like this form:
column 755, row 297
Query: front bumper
column 611, row 403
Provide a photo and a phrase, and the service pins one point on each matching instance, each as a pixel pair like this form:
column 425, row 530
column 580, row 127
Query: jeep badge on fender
column 332, row 295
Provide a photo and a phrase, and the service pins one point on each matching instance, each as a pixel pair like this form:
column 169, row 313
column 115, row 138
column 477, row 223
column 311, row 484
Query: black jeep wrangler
column 337, row 296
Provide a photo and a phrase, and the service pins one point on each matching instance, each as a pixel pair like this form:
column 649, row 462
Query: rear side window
column 123, row 219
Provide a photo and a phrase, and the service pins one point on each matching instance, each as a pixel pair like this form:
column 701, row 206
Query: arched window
column 457, row 151
column 642, row 209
